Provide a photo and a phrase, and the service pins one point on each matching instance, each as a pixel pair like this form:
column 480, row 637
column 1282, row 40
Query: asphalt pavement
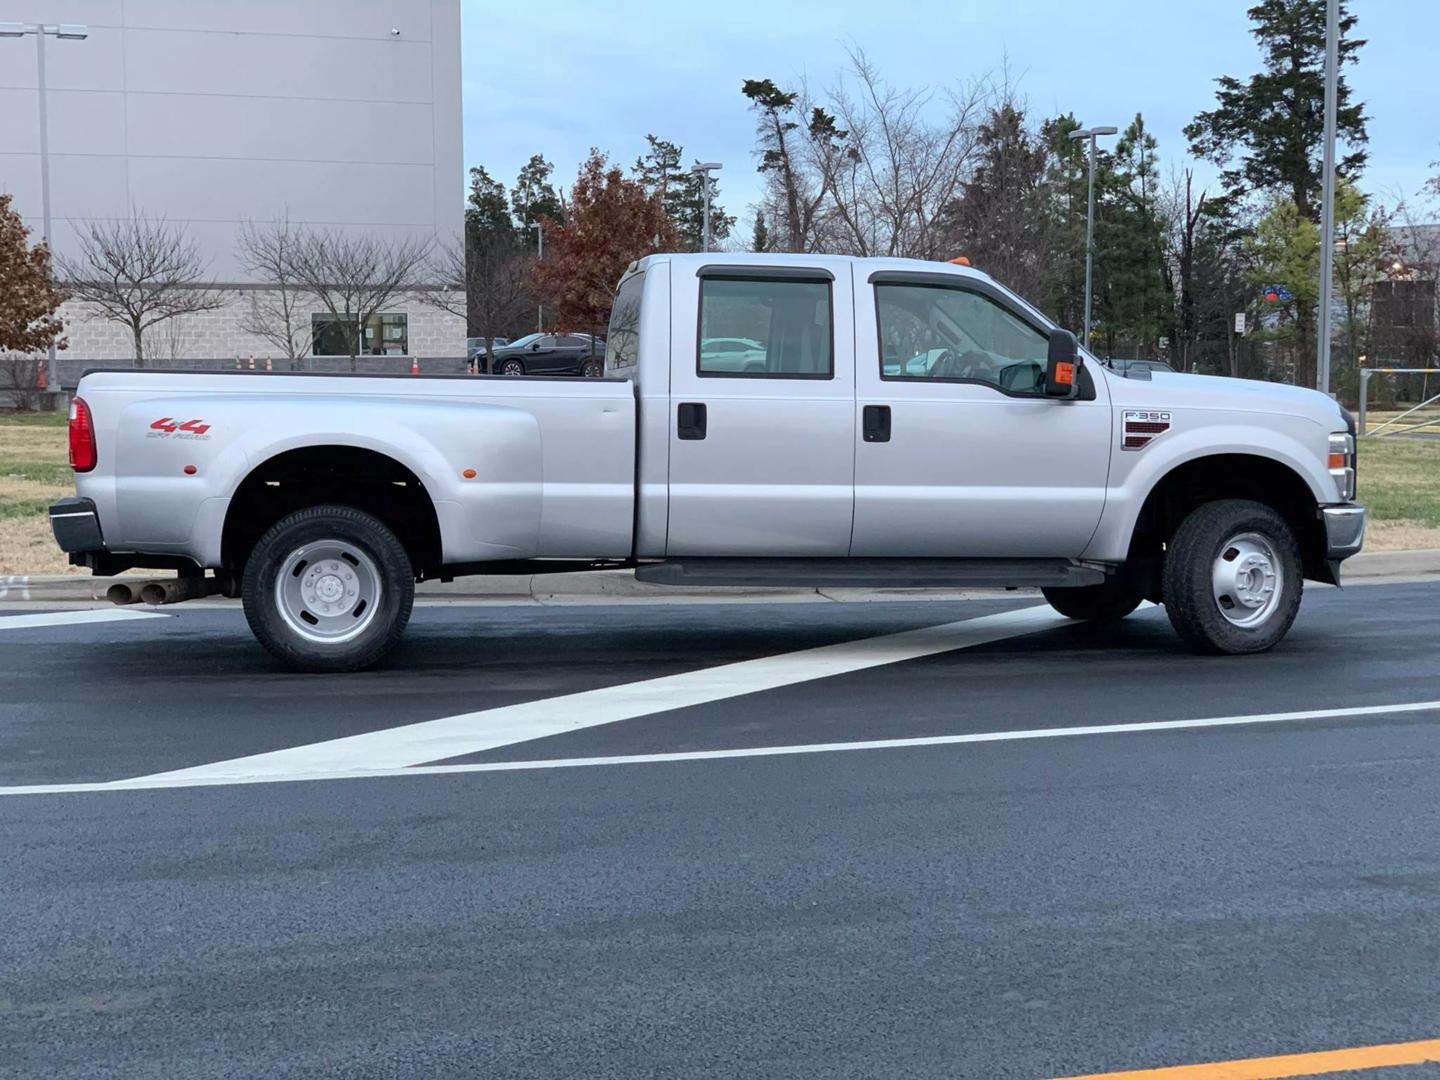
column 638, row 841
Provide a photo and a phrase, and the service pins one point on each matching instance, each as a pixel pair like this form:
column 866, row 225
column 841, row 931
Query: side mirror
column 535, row 346
column 1062, row 365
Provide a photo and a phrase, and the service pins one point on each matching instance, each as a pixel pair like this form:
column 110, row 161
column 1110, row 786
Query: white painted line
column 471, row 733
column 160, row 782
column 76, row 618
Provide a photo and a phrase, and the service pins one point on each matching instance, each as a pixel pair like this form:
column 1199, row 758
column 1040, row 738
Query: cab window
column 756, row 327
column 957, row 335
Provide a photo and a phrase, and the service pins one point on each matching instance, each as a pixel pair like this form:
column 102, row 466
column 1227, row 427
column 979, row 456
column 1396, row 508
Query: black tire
column 1105, row 603
column 512, row 366
column 1192, row 556
column 592, row 369
column 377, row 554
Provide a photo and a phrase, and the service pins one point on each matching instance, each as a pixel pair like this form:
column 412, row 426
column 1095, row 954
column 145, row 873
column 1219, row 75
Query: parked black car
column 551, row 354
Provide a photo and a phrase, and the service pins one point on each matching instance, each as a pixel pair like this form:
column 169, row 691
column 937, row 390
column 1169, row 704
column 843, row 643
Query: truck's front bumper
column 1344, row 530
column 76, row 526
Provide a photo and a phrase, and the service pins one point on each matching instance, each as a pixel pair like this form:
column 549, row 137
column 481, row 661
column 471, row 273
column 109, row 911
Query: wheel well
column 1225, row 476
column 348, row 475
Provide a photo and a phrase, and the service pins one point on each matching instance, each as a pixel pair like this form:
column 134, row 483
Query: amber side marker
column 469, row 474
column 1268, row 1068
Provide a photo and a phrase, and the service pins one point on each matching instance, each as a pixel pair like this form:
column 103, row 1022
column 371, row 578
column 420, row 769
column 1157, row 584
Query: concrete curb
column 602, row 585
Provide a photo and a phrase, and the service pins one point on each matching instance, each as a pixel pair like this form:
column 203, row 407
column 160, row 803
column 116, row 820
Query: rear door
column 762, row 454
column 960, row 453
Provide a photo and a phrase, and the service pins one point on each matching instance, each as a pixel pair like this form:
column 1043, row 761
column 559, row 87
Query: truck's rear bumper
column 1344, row 530
column 76, row 526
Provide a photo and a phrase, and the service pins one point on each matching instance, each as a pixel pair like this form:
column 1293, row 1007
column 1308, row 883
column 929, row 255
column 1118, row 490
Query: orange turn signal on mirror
column 1064, row 374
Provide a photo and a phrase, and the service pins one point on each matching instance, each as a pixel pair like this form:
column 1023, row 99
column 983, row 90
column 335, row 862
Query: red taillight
column 82, row 437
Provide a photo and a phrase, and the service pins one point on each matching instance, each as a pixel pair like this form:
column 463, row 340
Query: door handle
column 690, row 422
column 875, row 423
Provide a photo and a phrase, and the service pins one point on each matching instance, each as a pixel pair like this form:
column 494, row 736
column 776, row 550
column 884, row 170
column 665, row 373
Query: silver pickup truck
column 764, row 419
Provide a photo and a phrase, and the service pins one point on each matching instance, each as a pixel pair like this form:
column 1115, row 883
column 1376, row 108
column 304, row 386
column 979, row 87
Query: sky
column 561, row 76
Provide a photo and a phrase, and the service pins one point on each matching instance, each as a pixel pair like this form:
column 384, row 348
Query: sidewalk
column 613, row 585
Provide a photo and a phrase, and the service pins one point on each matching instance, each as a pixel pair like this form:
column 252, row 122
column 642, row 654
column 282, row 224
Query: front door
column 964, row 455
column 762, row 457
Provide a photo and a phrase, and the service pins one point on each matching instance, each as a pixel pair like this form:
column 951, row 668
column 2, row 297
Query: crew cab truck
column 890, row 423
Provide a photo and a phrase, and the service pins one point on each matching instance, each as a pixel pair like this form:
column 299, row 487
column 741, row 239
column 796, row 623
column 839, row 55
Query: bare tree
column 276, row 314
column 353, row 276
column 139, row 272
column 486, row 282
column 894, row 162
column 864, row 168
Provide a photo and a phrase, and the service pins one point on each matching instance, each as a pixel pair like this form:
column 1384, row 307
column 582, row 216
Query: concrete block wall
column 221, row 334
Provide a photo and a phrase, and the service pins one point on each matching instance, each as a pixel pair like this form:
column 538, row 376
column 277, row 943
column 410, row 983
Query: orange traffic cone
column 414, row 366
column 42, row 378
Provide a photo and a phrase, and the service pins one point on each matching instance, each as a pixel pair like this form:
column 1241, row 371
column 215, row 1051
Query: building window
column 386, row 334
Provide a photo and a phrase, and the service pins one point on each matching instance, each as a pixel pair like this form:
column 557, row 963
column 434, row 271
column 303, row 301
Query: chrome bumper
column 1344, row 530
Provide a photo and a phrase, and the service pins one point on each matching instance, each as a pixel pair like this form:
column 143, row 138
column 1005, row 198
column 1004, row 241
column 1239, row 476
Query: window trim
column 959, row 283
column 788, row 275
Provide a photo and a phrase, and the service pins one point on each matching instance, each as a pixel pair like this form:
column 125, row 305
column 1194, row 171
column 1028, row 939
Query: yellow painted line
column 1267, row 1068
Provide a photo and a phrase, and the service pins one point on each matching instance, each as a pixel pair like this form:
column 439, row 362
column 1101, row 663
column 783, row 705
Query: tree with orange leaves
column 611, row 222
column 29, row 296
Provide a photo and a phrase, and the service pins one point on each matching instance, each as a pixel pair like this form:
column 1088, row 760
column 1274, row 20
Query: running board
column 873, row 573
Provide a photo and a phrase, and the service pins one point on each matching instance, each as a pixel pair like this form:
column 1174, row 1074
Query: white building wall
column 343, row 114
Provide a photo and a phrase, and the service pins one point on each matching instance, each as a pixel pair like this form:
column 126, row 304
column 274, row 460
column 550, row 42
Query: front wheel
column 1107, row 602
column 328, row 588
column 1232, row 580
column 592, row 369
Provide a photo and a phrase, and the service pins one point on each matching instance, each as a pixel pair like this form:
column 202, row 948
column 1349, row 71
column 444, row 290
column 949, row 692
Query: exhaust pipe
column 175, row 590
column 119, row 594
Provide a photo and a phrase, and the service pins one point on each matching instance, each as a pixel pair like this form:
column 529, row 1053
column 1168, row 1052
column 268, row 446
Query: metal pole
column 1364, row 393
column 50, row 378
column 1089, row 239
column 540, row 255
column 705, row 180
column 1327, row 212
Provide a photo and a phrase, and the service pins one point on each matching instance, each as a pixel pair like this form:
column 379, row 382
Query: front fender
column 1136, row 473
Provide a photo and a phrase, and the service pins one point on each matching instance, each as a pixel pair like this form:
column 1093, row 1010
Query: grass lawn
column 1399, row 482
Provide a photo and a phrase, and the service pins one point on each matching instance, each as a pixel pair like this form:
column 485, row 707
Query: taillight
column 82, row 437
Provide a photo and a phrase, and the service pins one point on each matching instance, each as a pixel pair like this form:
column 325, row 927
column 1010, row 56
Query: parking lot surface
column 753, row 840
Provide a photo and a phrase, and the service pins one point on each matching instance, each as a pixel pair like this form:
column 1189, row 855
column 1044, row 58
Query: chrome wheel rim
column 511, row 368
column 1247, row 579
column 328, row 591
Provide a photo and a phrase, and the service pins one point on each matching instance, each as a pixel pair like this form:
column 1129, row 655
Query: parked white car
column 1005, row 457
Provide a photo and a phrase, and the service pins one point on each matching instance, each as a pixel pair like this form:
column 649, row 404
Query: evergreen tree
column 1133, row 299
column 486, row 208
column 533, row 197
column 663, row 175
column 760, row 241
column 1276, row 120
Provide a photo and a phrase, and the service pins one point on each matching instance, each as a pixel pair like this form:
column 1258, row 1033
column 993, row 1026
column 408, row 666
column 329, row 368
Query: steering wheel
column 975, row 365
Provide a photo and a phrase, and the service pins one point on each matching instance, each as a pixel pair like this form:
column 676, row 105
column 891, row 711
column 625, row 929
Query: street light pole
column 1327, row 202
column 703, row 170
column 65, row 32
column 539, row 227
column 1091, row 134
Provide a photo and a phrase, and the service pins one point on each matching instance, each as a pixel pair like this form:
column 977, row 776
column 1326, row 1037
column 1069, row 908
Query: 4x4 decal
column 167, row 426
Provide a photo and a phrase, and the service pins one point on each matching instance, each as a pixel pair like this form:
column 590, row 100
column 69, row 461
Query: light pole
column 1091, row 134
column 63, row 32
column 1327, row 201
column 703, row 170
column 539, row 227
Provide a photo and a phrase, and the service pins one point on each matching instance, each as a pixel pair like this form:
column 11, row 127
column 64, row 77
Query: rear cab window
column 757, row 327
column 622, row 348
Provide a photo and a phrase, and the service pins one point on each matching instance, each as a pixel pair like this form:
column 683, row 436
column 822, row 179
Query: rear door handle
column 875, row 423
column 690, row 421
